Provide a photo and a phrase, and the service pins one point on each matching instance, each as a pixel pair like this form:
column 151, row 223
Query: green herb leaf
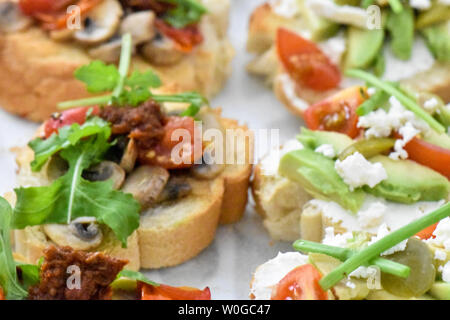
column 29, row 274
column 147, row 79
column 8, row 273
column 70, row 196
column 134, row 275
column 401, row 28
column 377, row 100
column 66, row 137
column 98, row 76
column 185, row 13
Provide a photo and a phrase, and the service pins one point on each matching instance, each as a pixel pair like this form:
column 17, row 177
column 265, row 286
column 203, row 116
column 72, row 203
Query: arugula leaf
column 71, row 196
column 30, row 274
column 8, row 273
column 98, row 76
column 134, row 275
column 185, row 13
column 66, row 137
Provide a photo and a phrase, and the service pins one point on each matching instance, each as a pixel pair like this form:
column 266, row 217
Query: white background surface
column 227, row 265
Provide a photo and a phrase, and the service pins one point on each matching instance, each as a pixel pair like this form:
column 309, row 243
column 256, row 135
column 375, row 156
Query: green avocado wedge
column 363, row 47
column 317, row 175
column 438, row 40
column 401, row 28
column 313, row 139
column 409, row 182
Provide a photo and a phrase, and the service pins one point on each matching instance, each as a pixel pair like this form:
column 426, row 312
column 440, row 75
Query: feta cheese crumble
column 336, row 240
column 420, row 4
column 440, row 254
column 285, row 8
column 442, row 234
column 327, row 150
column 364, row 272
column 372, row 216
column 431, row 104
column 383, row 231
column 356, row 171
column 446, row 272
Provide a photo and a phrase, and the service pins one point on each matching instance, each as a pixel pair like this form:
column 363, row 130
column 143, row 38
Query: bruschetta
column 41, row 45
column 303, row 48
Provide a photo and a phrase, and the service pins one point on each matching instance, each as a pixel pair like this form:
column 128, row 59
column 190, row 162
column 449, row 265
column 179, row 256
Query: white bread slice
column 261, row 39
column 171, row 233
column 41, row 70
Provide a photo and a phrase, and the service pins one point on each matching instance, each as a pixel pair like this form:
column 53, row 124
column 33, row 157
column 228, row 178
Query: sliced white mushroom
column 106, row 170
column 11, row 17
column 108, row 52
column 129, row 156
column 101, row 23
column 161, row 51
column 176, row 188
column 146, row 184
column 211, row 167
column 140, row 25
column 79, row 234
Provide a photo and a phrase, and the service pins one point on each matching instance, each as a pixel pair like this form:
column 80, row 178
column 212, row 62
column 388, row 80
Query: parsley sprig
column 184, row 13
column 124, row 89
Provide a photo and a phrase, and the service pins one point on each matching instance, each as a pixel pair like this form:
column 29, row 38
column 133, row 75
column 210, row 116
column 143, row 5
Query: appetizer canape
column 132, row 176
column 303, row 47
column 43, row 42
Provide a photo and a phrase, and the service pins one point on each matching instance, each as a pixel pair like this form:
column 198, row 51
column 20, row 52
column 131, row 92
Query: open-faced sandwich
column 63, row 273
column 303, row 47
column 411, row 262
column 43, row 42
column 142, row 175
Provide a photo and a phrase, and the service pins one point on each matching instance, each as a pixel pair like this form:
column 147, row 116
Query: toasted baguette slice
column 170, row 233
column 174, row 233
column 37, row 72
column 264, row 23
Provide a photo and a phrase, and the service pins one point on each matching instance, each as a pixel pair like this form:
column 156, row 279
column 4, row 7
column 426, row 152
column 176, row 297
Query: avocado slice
column 319, row 27
column 401, row 27
column 363, row 47
column 440, row 290
column 436, row 14
column 438, row 40
column 313, row 139
column 317, row 175
column 409, row 182
column 439, row 139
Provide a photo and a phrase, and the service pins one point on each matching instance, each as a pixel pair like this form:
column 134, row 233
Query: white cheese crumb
column 371, row 91
column 336, row 240
column 442, row 234
column 440, row 254
column 372, row 216
column 446, row 272
column 285, row 8
column 431, row 104
column 408, row 132
column 356, row 171
column 384, row 231
column 420, row 4
column 350, row 284
column 327, row 150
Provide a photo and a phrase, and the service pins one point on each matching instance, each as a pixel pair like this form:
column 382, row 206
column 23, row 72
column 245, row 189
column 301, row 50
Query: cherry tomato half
column 186, row 38
column 337, row 113
column 302, row 283
column 165, row 292
column 2, row 295
column 427, row 233
column 68, row 117
column 430, row 155
column 305, row 62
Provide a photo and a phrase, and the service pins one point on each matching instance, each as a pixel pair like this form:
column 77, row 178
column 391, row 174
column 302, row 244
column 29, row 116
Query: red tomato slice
column 337, row 113
column 186, row 38
column 184, row 142
column 68, row 117
column 165, row 292
column 427, row 233
column 429, row 155
column 2, row 295
column 302, row 283
column 305, row 62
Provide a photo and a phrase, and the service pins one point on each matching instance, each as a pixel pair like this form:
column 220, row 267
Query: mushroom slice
column 101, row 23
column 140, row 25
column 106, row 170
column 146, row 184
column 80, row 234
column 176, row 188
column 108, row 52
column 161, row 51
column 209, row 169
column 129, row 156
column 11, row 18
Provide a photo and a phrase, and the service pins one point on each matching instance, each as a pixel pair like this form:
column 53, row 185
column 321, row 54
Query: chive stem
column 124, row 64
column 374, row 250
column 343, row 254
column 404, row 99
column 100, row 100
